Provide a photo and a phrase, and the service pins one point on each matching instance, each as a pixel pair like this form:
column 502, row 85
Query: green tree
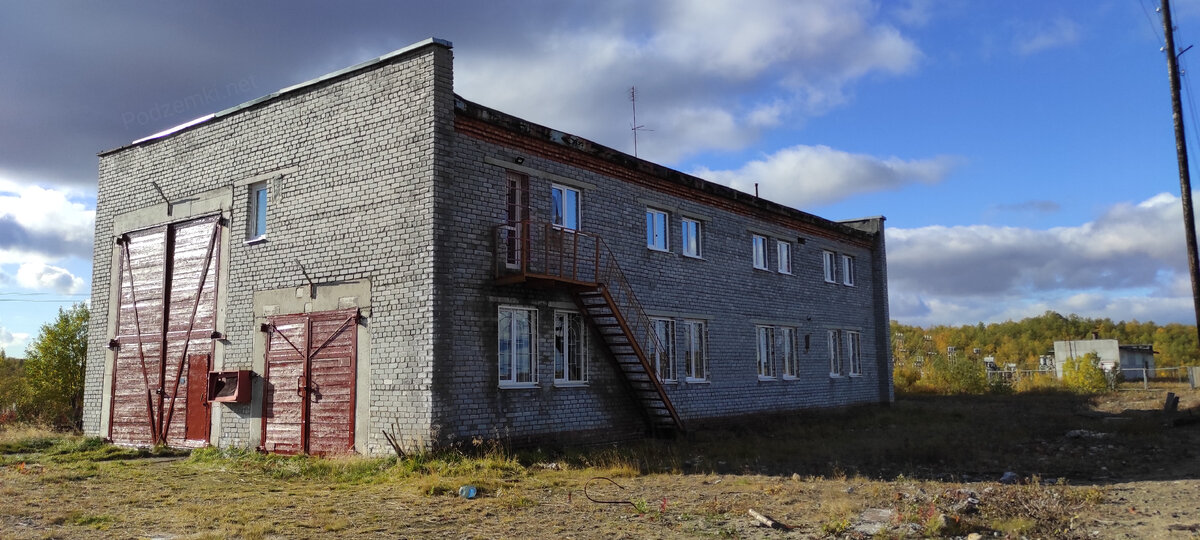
column 54, row 369
column 1083, row 375
column 12, row 391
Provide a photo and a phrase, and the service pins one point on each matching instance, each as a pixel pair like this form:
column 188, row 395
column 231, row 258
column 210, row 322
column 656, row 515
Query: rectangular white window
column 516, row 343
column 784, row 251
column 759, row 244
column 564, row 207
column 691, row 237
column 830, row 266
column 787, row 351
column 257, row 221
column 695, row 350
column 853, row 352
column 847, row 270
column 835, row 353
column 656, row 229
column 766, row 351
column 661, row 351
column 570, row 348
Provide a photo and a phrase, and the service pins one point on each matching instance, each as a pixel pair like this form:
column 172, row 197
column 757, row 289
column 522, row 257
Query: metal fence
column 1148, row 378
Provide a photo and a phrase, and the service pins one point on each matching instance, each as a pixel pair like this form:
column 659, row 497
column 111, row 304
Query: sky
column 1021, row 151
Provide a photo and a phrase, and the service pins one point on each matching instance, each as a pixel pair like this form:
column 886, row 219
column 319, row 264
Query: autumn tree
column 54, row 369
column 1083, row 374
column 12, row 391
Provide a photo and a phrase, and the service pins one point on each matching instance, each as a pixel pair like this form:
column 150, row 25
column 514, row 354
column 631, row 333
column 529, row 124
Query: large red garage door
column 166, row 318
column 308, row 404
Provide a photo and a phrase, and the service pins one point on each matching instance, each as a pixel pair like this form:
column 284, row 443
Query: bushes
column 941, row 375
column 47, row 387
column 1083, row 375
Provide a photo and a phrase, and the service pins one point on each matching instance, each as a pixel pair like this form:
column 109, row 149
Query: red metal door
column 167, row 310
column 310, row 383
column 198, row 409
column 283, row 395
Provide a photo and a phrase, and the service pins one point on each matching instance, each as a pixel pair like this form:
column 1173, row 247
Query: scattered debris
column 1009, row 477
column 468, row 491
column 601, row 501
column 548, row 466
column 873, row 521
column 766, row 520
column 1086, row 434
column 967, row 502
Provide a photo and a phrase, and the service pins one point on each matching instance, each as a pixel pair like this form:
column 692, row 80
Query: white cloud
column 40, row 276
column 1034, row 38
column 802, row 175
column 1127, row 263
column 10, row 339
column 43, row 224
column 710, row 74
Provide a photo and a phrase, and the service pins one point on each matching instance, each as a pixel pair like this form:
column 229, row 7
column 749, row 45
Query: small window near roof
column 257, row 222
column 759, row 244
column 691, row 237
column 830, row 267
column 656, row 229
column 565, row 207
column 784, row 250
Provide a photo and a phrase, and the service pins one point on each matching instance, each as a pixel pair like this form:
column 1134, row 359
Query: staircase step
column 624, row 351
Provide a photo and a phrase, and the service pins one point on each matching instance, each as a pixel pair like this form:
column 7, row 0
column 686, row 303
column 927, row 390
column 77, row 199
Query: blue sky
column 1021, row 151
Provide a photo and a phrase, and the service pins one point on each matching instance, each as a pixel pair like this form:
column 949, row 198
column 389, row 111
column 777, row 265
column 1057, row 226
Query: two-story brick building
column 368, row 252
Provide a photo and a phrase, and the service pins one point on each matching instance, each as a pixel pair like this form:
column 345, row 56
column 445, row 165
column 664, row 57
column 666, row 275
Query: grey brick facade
column 384, row 193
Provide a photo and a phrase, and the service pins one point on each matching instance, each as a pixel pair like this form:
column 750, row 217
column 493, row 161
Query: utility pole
column 1185, row 182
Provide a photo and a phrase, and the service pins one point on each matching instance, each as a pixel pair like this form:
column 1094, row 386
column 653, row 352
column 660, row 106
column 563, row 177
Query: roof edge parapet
column 529, row 129
column 361, row 66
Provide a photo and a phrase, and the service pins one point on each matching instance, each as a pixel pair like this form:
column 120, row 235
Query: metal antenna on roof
column 634, row 127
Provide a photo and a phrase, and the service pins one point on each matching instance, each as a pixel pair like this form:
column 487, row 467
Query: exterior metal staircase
column 544, row 255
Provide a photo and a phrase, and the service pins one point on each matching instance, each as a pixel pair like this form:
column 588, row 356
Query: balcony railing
column 534, row 250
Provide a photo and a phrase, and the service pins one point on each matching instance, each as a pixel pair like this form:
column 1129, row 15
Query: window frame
column 830, row 266
column 696, row 352
column 556, row 211
column 854, row 352
column 698, row 234
column 764, row 347
column 668, row 344
column 836, row 365
column 580, row 354
column 258, row 208
column 791, row 364
column 848, row 270
column 654, row 232
column 758, row 247
column 783, row 254
column 512, row 361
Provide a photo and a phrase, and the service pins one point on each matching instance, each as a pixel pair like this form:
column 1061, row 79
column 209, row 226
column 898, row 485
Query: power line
column 40, row 294
column 1150, row 21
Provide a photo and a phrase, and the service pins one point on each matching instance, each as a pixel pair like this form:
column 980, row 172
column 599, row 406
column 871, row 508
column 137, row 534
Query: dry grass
column 921, row 459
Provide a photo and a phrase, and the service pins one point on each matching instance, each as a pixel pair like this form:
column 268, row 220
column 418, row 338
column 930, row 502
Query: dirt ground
column 1108, row 467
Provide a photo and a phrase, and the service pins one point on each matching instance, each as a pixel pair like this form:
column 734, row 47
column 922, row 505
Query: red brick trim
column 605, row 161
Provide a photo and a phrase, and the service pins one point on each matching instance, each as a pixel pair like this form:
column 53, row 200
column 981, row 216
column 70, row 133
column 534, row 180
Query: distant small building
column 1132, row 361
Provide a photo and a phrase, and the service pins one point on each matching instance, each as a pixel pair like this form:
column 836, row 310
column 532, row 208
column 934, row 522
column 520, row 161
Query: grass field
column 1111, row 466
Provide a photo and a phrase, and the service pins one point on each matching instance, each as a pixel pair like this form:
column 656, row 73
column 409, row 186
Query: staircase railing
column 538, row 249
